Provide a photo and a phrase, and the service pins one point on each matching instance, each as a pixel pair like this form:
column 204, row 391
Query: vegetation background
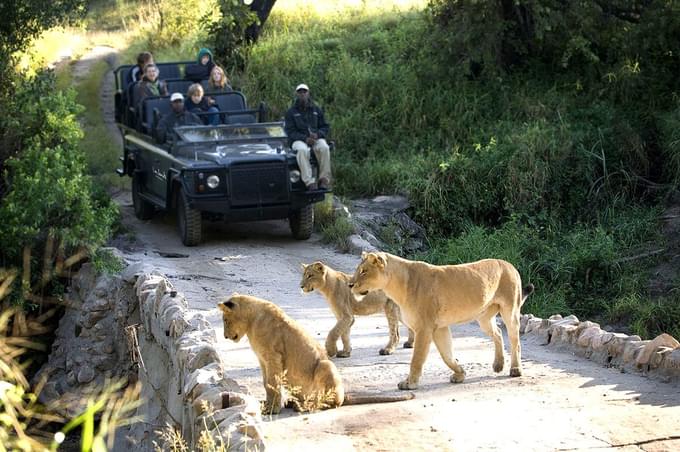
column 543, row 132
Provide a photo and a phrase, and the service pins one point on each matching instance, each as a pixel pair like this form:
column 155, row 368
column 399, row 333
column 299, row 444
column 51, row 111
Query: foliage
column 48, row 192
column 592, row 35
column 578, row 270
column 170, row 24
column 22, row 21
column 24, row 419
column 226, row 32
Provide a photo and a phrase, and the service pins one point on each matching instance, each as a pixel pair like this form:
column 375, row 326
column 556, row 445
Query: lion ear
column 318, row 266
column 227, row 305
column 380, row 260
column 304, row 267
column 363, row 255
column 376, row 259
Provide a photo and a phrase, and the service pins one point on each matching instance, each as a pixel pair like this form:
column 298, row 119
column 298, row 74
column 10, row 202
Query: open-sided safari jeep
column 241, row 170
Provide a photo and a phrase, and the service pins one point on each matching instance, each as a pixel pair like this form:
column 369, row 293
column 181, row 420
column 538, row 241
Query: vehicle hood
column 228, row 152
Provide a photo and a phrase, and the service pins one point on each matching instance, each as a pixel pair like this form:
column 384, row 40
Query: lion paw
column 408, row 345
column 515, row 372
column 458, row 377
column 386, row 351
column 343, row 354
column 403, row 385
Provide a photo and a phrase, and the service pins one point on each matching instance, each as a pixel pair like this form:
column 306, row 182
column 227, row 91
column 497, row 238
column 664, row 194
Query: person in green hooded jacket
column 200, row 70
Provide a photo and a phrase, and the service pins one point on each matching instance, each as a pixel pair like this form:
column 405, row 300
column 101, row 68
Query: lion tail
column 364, row 398
column 526, row 291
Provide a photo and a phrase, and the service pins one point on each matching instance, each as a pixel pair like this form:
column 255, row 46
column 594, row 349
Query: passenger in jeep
column 200, row 70
column 307, row 130
column 135, row 74
column 165, row 130
column 150, row 85
column 197, row 103
column 218, row 81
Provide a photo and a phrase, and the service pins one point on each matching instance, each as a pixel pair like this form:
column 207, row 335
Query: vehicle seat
column 233, row 108
column 152, row 109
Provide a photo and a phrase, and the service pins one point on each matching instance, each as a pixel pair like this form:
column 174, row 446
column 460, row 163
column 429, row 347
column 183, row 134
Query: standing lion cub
column 432, row 297
column 289, row 357
column 334, row 285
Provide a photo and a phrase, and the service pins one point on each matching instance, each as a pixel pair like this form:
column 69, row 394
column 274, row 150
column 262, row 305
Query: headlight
column 294, row 176
column 213, row 181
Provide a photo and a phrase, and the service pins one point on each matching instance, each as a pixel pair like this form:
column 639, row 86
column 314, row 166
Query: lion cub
column 334, row 286
column 289, row 357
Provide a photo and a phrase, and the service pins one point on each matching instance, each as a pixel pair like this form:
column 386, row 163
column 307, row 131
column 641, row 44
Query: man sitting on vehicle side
column 165, row 130
column 307, row 129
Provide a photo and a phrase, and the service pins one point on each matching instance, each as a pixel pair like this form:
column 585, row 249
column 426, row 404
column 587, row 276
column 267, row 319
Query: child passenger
column 197, row 103
column 200, row 70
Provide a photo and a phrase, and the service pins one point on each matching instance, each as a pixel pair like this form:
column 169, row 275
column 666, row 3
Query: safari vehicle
column 240, row 170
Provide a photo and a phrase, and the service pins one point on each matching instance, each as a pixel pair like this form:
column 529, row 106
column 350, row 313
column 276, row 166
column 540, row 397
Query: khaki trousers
column 323, row 157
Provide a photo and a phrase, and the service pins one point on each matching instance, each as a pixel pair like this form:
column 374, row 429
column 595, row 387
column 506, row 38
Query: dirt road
column 561, row 403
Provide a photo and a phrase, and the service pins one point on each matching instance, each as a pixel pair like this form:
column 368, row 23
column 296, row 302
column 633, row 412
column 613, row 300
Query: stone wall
column 136, row 326
column 657, row 358
column 182, row 375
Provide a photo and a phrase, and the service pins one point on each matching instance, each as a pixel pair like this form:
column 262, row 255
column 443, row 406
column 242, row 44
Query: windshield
column 198, row 134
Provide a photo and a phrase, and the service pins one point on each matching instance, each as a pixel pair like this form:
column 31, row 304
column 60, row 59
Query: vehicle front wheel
column 189, row 221
column 143, row 209
column 302, row 222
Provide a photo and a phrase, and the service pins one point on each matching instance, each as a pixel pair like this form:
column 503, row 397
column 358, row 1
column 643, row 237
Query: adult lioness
column 289, row 357
column 432, row 297
column 334, row 285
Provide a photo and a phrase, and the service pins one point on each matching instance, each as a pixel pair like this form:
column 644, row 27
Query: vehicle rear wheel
column 189, row 221
column 302, row 222
column 143, row 209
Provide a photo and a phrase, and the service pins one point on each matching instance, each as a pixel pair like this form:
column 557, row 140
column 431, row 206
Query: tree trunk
column 262, row 8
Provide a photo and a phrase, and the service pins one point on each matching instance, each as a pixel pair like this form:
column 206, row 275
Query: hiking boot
column 312, row 186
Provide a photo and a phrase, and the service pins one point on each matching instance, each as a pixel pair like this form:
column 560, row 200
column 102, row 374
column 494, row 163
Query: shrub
column 48, row 193
column 576, row 269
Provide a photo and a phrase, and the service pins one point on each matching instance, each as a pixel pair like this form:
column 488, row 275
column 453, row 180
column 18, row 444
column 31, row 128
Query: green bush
column 576, row 270
column 47, row 190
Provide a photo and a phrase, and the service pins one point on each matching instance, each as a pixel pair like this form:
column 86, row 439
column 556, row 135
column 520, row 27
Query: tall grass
column 538, row 167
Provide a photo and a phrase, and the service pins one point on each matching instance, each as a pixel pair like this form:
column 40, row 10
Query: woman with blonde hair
column 218, row 80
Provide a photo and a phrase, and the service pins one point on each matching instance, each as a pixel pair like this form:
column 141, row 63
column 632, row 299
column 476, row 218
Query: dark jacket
column 197, row 72
column 165, row 128
column 134, row 75
column 203, row 105
column 299, row 123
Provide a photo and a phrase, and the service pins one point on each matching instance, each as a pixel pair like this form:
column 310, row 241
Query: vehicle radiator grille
column 264, row 183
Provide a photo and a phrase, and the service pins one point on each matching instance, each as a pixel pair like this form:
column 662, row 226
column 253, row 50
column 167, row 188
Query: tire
column 189, row 221
column 302, row 222
column 144, row 210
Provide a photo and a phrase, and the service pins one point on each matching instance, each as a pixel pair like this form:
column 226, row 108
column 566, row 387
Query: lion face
column 369, row 275
column 235, row 323
column 312, row 276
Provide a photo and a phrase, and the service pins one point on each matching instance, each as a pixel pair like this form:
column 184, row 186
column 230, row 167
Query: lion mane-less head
column 370, row 274
column 236, row 314
column 313, row 276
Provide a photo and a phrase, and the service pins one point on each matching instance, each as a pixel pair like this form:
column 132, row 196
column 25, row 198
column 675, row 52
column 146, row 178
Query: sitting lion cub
column 432, row 297
column 289, row 357
column 334, row 285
